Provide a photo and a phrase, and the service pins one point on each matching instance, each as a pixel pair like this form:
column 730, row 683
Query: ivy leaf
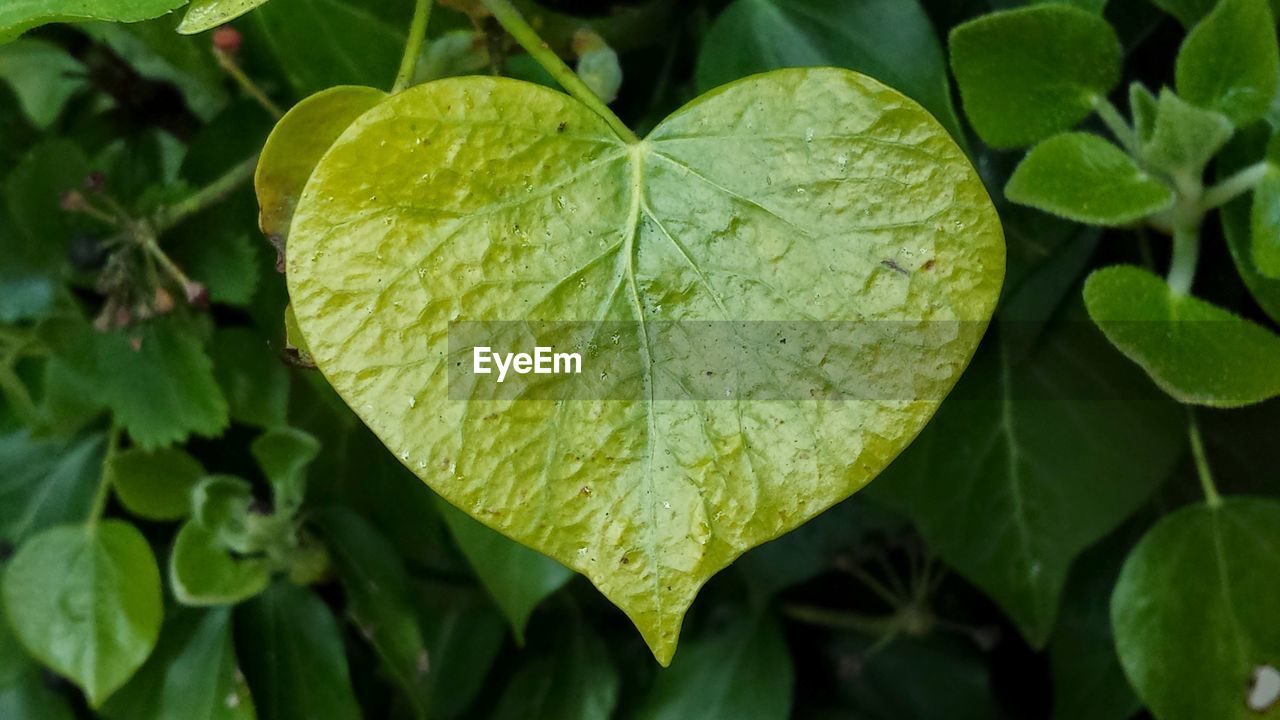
column 828, row 168
column 295, row 146
column 86, row 602
column 292, row 655
column 192, row 674
column 208, row 14
column 1192, row 649
column 1230, row 61
column 155, row 485
column 1197, row 352
column 1184, row 137
column 576, row 680
column 43, row 76
column 252, row 376
column 18, row 17
column 1083, row 177
column 517, row 578
column 1026, row 74
column 45, row 482
column 203, row 572
column 738, row 671
column 890, row 40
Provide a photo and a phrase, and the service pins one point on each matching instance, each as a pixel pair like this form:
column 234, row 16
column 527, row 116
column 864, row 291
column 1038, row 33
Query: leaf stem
column 228, row 64
column 841, row 620
column 1234, row 186
column 1211, row 496
column 209, row 195
column 413, row 45
column 104, row 485
column 1116, row 123
column 515, row 24
column 1186, row 255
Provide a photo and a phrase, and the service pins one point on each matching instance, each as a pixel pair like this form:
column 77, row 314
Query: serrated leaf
column 1199, row 353
column 824, row 166
column 223, row 259
column 1026, row 74
column 1184, row 137
column 517, row 578
column 252, row 376
column 1230, row 62
column 295, row 146
column 739, row 671
column 192, row 674
column 43, row 76
column 1043, row 453
column 86, row 602
column 1083, row 177
column 18, row 16
column 890, row 40
column 1193, row 649
column 204, row 572
column 155, row 485
column 292, row 655
column 45, row 482
column 575, row 680
column 208, row 14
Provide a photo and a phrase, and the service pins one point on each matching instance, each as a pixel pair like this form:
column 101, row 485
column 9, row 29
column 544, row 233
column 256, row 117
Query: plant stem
column 1211, row 495
column 207, row 196
column 1116, row 123
column 1186, row 254
column 840, row 620
column 528, row 38
column 413, row 46
column 1234, row 186
column 228, row 64
column 104, row 485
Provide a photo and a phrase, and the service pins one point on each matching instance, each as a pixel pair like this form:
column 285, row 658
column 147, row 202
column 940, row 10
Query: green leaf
column 204, row 572
column 283, row 454
column 890, row 40
column 18, row 16
column 33, row 191
column 1042, row 454
column 1184, row 137
column 464, row 634
column 1144, row 107
column 1191, row 649
column 192, row 674
column 1188, row 12
column 1026, row 74
column 45, row 482
column 208, row 14
column 30, row 698
column 44, row 77
column 1237, row 221
column 1083, row 177
column 85, row 601
column 222, row 258
column 155, row 485
column 517, row 578
column 252, row 375
column 738, row 671
column 1230, row 62
column 827, row 167
column 1265, row 225
column 1197, row 352
column 576, row 680
column 220, row 505
column 377, row 590
column 296, row 144
column 361, row 48
column 292, row 655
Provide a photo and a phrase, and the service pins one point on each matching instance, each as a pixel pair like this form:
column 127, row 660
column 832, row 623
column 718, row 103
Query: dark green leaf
column 44, row 77
column 1029, row 73
column 33, row 192
column 291, row 651
column 86, row 602
column 202, row 571
column 155, row 485
column 463, row 633
column 253, row 378
column 1084, row 178
column 192, row 675
column 577, row 681
column 1230, row 62
column 219, row 256
column 1188, row 12
column 45, row 482
column 1195, row 351
column 1194, row 611
column 361, row 49
column 29, row 697
column 19, row 16
column 1237, row 220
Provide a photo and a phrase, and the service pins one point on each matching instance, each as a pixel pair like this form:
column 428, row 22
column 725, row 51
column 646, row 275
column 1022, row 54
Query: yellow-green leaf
column 208, row 14
column 155, row 485
column 803, row 195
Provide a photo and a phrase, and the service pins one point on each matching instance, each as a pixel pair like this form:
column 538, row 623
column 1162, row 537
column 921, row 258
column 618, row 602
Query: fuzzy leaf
column 492, row 199
column 1143, row 106
column 1026, row 74
column 1184, row 137
column 1084, row 178
column 1230, row 62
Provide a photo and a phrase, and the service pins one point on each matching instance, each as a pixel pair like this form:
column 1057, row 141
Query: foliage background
column 972, row 580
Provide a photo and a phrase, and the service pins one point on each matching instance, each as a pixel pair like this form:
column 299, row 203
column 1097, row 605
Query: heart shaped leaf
column 798, row 196
column 1194, row 611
